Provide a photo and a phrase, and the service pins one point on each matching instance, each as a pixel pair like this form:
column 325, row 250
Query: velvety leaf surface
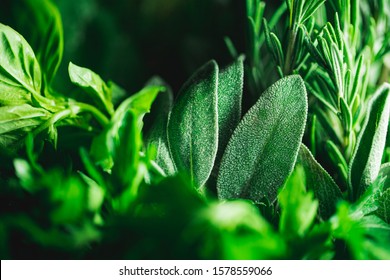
column 157, row 134
column 366, row 160
column 264, row 147
column 230, row 87
column 193, row 124
column 322, row 184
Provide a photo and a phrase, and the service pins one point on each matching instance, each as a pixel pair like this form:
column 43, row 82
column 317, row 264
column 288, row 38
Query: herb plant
column 281, row 154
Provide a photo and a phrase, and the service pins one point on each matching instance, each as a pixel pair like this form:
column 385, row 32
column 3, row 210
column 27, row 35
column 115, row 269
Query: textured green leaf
column 157, row 134
column 264, row 147
column 384, row 174
column 298, row 207
column 93, row 85
column 383, row 202
column 193, row 124
column 320, row 182
column 230, row 87
column 366, row 160
column 20, row 74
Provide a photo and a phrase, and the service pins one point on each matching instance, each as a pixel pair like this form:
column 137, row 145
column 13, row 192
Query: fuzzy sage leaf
column 193, row 124
column 230, row 86
column 264, row 147
column 366, row 160
column 157, row 135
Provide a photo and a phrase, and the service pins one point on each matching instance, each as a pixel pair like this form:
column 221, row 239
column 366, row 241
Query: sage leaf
column 230, row 87
column 20, row 73
column 366, row 160
column 384, row 174
column 320, row 182
column 383, row 202
column 193, row 124
column 157, row 134
column 93, row 84
column 264, row 147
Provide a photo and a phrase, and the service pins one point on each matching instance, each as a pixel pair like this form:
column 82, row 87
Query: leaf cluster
column 82, row 176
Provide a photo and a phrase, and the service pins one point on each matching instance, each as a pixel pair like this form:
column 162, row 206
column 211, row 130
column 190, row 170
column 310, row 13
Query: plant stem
column 288, row 65
column 83, row 107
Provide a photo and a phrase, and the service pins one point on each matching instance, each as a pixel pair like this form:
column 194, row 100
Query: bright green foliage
column 93, row 85
column 257, row 161
column 193, row 124
column 85, row 175
column 235, row 230
column 366, row 236
column 103, row 145
column 320, row 182
column 298, row 208
column 20, row 73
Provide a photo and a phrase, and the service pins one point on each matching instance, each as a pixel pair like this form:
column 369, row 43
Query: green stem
column 83, row 107
column 55, row 118
column 288, row 65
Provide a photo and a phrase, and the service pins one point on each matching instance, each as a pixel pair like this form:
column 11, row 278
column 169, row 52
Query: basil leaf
column 102, row 147
column 20, row 74
column 366, row 160
column 264, row 147
column 41, row 23
column 320, row 182
column 93, row 85
column 193, row 124
column 126, row 147
column 230, row 87
column 17, row 120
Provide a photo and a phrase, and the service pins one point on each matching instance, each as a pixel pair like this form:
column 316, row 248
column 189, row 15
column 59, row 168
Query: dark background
column 128, row 41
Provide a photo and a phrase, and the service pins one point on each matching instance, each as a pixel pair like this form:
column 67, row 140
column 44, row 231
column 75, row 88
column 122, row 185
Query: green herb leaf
column 320, row 182
column 298, row 207
column 263, row 149
column 20, row 74
column 126, row 148
column 16, row 121
column 366, row 160
column 42, row 25
column 102, row 148
column 93, row 85
column 230, row 87
column 157, row 135
column 193, row 124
